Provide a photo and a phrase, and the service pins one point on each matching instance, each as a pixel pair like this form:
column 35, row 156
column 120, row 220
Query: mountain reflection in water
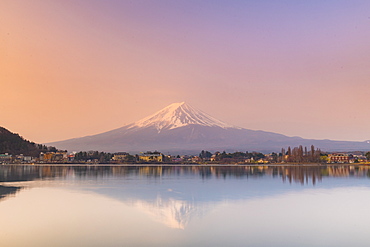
column 164, row 206
column 172, row 195
column 171, row 212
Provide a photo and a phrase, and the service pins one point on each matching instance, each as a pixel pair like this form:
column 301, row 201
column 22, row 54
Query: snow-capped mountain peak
column 178, row 115
column 199, row 132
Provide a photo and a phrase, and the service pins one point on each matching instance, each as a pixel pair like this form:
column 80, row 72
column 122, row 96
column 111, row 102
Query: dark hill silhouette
column 14, row 144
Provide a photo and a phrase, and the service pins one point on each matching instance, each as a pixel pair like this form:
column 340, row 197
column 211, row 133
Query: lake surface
column 184, row 206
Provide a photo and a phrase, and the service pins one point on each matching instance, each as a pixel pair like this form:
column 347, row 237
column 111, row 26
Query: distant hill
column 182, row 129
column 15, row 144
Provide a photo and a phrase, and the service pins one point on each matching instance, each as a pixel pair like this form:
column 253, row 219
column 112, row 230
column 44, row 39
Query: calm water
column 184, row 206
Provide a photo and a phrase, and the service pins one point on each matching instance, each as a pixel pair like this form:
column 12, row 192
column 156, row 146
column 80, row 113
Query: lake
column 184, row 205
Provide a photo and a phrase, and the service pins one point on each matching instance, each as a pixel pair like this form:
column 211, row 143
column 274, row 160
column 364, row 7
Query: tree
column 205, row 154
column 367, row 156
column 312, row 152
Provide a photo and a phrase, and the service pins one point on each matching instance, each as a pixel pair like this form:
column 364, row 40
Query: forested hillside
column 14, row 144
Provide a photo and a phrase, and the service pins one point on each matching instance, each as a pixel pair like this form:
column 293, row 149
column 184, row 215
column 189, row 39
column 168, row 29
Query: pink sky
column 75, row 68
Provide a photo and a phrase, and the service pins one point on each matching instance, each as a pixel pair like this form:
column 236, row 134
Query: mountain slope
column 180, row 128
column 14, row 144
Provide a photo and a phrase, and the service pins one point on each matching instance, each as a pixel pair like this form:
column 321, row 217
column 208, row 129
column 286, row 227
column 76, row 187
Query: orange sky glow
column 75, row 68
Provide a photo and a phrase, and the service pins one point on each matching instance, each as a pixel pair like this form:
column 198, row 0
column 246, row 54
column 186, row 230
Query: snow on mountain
column 178, row 115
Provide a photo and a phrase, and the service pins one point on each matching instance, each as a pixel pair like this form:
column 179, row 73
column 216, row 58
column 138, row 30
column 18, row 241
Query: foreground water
column 184, row 206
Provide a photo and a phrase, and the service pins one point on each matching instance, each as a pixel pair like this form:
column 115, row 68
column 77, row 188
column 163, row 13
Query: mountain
column 14, row 144
column 181, row 129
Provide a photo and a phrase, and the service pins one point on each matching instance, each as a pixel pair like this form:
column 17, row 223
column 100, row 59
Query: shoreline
column 194, row 165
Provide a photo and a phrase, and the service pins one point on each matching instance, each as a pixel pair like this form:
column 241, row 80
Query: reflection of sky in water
column 185, row 210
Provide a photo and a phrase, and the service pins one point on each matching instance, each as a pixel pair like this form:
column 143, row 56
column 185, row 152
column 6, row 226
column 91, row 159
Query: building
column 196, row 159
column 151, row 157
column 28, row 159
column 359, row 158
column 71, row 157
column 46, row 157
column 121, row 156
column 20, row 158
column 338, row 158
column 5, row 158
column 59, row 156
